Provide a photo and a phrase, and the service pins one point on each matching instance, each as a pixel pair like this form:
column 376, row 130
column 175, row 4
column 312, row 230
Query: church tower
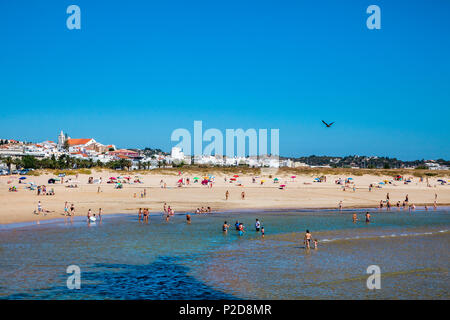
column 61, row 139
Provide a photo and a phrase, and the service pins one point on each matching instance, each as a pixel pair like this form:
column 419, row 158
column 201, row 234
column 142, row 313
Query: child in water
column 315, row 243
column 262, row 232
column 241, row 229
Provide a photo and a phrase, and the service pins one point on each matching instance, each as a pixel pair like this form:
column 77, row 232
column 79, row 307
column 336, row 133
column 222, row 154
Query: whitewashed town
column 90, row 149
column 96, row 153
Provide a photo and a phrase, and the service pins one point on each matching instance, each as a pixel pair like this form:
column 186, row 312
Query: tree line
column 63, row 162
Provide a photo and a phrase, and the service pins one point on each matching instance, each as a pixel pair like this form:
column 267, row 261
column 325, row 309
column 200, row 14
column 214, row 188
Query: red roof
column 122, row 157
column 84, row 155
column 76, row 142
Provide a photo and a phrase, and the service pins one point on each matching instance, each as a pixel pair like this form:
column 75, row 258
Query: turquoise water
column 121, row 258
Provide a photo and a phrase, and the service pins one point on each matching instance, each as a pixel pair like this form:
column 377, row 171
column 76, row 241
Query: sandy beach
column 300, row 192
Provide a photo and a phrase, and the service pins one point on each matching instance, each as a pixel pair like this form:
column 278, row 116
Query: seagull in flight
column 328, row 125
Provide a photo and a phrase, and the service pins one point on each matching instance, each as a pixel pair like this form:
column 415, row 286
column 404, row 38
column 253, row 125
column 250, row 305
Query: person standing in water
column 188, row 218
column 100, row 213
column 355, row 218
column 262, row 231
column 241, row 229
column 140, row 214
column 307, row 239
column 225, row 227
column 257, row 225
column 367, row 217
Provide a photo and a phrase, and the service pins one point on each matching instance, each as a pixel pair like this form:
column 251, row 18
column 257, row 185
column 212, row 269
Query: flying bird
column 328, row 125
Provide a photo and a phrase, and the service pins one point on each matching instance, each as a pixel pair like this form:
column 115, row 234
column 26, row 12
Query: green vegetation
column 64, row 162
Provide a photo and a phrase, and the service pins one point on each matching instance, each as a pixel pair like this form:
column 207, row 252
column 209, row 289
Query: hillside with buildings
column 71, row 153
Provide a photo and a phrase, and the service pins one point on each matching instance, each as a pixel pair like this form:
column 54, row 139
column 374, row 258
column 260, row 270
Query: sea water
column 121, row 258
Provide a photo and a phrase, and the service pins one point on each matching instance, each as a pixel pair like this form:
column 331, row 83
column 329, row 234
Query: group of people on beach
column 399, row 204
column 405, row 203
column 203, row 210
column 42, row 190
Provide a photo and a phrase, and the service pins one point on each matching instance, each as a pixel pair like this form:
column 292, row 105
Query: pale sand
column 19, row 206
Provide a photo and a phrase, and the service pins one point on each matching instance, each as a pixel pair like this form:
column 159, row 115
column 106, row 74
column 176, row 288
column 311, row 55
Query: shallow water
column 123, row 259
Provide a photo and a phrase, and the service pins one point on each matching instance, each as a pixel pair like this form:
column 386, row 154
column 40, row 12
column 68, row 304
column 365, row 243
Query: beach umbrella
column 112, row 178
column 236, row 176
column 282, row 185
column 22, row 178
column 61, row 175
column 56, row 179
column 380, row 182
column 293, row 177
column 196, row 178
column 349, row 178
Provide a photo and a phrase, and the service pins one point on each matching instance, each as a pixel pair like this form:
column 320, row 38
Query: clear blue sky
column 137, row 70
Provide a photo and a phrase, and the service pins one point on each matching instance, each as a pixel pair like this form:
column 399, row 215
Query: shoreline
column 300, row 193
column 57, row 220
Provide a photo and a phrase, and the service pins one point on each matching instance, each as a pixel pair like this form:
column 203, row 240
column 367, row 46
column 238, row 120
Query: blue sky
column 137, row 70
